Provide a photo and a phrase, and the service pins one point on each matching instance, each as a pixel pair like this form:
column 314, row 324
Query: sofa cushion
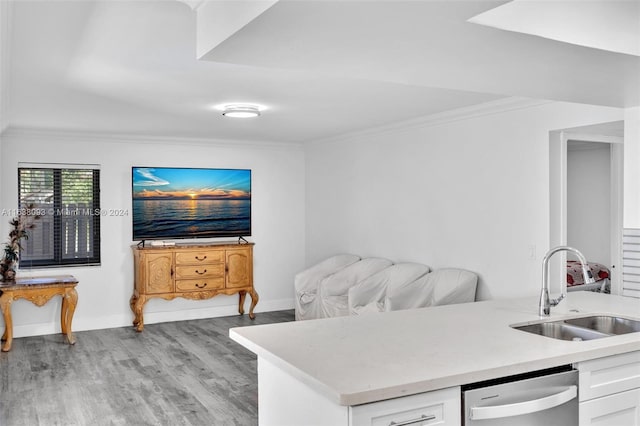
column 369, row 294
column 306, row 283
column 440, row 287
column 333, row 289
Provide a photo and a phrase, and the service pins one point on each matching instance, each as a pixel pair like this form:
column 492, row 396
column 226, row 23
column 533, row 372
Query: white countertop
column 360, row 359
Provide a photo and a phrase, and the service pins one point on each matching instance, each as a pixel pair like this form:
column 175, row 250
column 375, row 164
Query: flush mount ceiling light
column 241, row 111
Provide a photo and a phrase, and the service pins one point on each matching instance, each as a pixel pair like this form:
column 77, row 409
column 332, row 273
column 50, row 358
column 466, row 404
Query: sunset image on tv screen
column 190, row 203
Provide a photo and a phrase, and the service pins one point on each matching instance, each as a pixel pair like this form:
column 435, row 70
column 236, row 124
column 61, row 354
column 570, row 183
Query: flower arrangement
column 20, row 227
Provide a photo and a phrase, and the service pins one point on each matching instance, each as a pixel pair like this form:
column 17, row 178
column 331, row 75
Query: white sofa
column 307, row 283
column 349, row 285
column 334, row 289
column 370, row 294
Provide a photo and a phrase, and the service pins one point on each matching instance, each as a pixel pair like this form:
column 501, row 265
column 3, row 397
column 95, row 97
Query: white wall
column 471, row 192
column 4, row 73
column 104, row 291
column 632, row 168
column 589, row 200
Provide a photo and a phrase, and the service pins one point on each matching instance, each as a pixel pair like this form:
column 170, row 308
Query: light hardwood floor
column 178, row 373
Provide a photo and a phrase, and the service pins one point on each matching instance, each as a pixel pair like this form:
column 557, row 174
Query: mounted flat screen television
column 175, row 203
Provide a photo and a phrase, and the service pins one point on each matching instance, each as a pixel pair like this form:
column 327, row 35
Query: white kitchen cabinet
column 441, row 407
column 610, row 390
column 284, row 400
column 614, row 410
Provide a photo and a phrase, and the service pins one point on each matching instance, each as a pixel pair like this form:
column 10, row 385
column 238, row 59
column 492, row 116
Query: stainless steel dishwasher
column 543, row 398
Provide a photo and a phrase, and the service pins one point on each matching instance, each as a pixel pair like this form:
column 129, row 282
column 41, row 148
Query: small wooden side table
column 39, row 291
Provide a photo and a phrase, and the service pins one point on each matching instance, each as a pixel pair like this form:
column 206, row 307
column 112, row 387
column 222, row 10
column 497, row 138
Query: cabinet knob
column 203, row 285
column 201, row 273
column 201, row 259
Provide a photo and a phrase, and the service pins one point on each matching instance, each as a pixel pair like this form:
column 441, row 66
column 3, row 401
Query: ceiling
column 321, row 68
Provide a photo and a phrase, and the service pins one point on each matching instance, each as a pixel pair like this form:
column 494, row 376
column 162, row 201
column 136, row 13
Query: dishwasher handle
column 525, row 407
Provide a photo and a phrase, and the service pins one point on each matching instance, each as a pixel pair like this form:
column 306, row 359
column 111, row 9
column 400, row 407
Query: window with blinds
column 64, row 206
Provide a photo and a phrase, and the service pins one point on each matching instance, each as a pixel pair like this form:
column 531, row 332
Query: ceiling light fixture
column 241, row 111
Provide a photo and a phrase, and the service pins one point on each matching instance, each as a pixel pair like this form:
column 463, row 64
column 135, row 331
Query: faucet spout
column 545, row 301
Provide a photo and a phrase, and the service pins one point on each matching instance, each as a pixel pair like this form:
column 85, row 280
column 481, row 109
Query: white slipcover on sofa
column 333, row 290
column 348, row 285
column 369, row 294
column 439, row 287
column 306, row 284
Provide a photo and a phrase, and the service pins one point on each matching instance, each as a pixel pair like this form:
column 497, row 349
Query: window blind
column 64, row 206
column 631, row 262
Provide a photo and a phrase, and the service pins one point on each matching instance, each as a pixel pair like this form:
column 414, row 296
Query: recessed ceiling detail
column 608, row 25
column 324, row 68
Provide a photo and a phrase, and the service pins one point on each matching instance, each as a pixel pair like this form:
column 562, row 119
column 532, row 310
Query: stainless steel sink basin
column 607, row 324
column 560, row 330
column 585, row 328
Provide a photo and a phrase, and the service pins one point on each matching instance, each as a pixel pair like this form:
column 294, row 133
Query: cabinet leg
column 132, row 305
column 241, row 296
column 138, row 322
column 254, row 302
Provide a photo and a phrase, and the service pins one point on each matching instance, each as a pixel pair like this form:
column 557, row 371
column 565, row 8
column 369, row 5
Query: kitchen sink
column 585, row 328
column 607, row 324
column 560, row 330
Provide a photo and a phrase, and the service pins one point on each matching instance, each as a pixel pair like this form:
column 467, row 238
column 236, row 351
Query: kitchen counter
column 361, row 359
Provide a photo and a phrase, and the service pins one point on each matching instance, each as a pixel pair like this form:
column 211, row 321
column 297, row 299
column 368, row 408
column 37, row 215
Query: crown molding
column 193, row 4
column 460, row 114
column 439, row 119
column 118, row 138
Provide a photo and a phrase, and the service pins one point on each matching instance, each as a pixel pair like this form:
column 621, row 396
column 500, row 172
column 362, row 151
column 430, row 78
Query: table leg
column 69, row 303
column 5, row 305
column 254, row 302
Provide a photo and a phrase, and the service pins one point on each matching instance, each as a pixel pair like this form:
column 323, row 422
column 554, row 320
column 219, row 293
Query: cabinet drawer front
column 200, row 271
column 604, row 376
column 201, row 284
column 199, row 257
column 613, row 410
column 431, row 408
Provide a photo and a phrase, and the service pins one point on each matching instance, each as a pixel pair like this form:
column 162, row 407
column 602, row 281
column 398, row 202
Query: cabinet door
column 609, row 375
column 159, row 273
column 441, row 407
column 239, row 264
column 613, row 410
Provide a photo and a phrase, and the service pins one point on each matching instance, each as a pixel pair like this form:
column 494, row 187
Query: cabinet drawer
column 604, row 376
column 440, row 407
column 201, row 284
column 199, row 257
column 613, row 410
column 200, row 271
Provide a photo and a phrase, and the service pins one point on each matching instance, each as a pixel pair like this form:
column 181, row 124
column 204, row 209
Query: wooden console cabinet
column 192, row 271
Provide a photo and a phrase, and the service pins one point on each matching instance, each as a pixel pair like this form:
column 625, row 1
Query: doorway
column 586, row 174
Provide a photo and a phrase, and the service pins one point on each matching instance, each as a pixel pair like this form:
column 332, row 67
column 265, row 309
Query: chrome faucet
column 545, row 302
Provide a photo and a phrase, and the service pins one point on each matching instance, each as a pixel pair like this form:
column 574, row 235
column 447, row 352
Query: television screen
column 190, row 203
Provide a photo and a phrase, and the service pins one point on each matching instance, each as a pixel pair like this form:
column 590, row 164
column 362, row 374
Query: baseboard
column 125, row 320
